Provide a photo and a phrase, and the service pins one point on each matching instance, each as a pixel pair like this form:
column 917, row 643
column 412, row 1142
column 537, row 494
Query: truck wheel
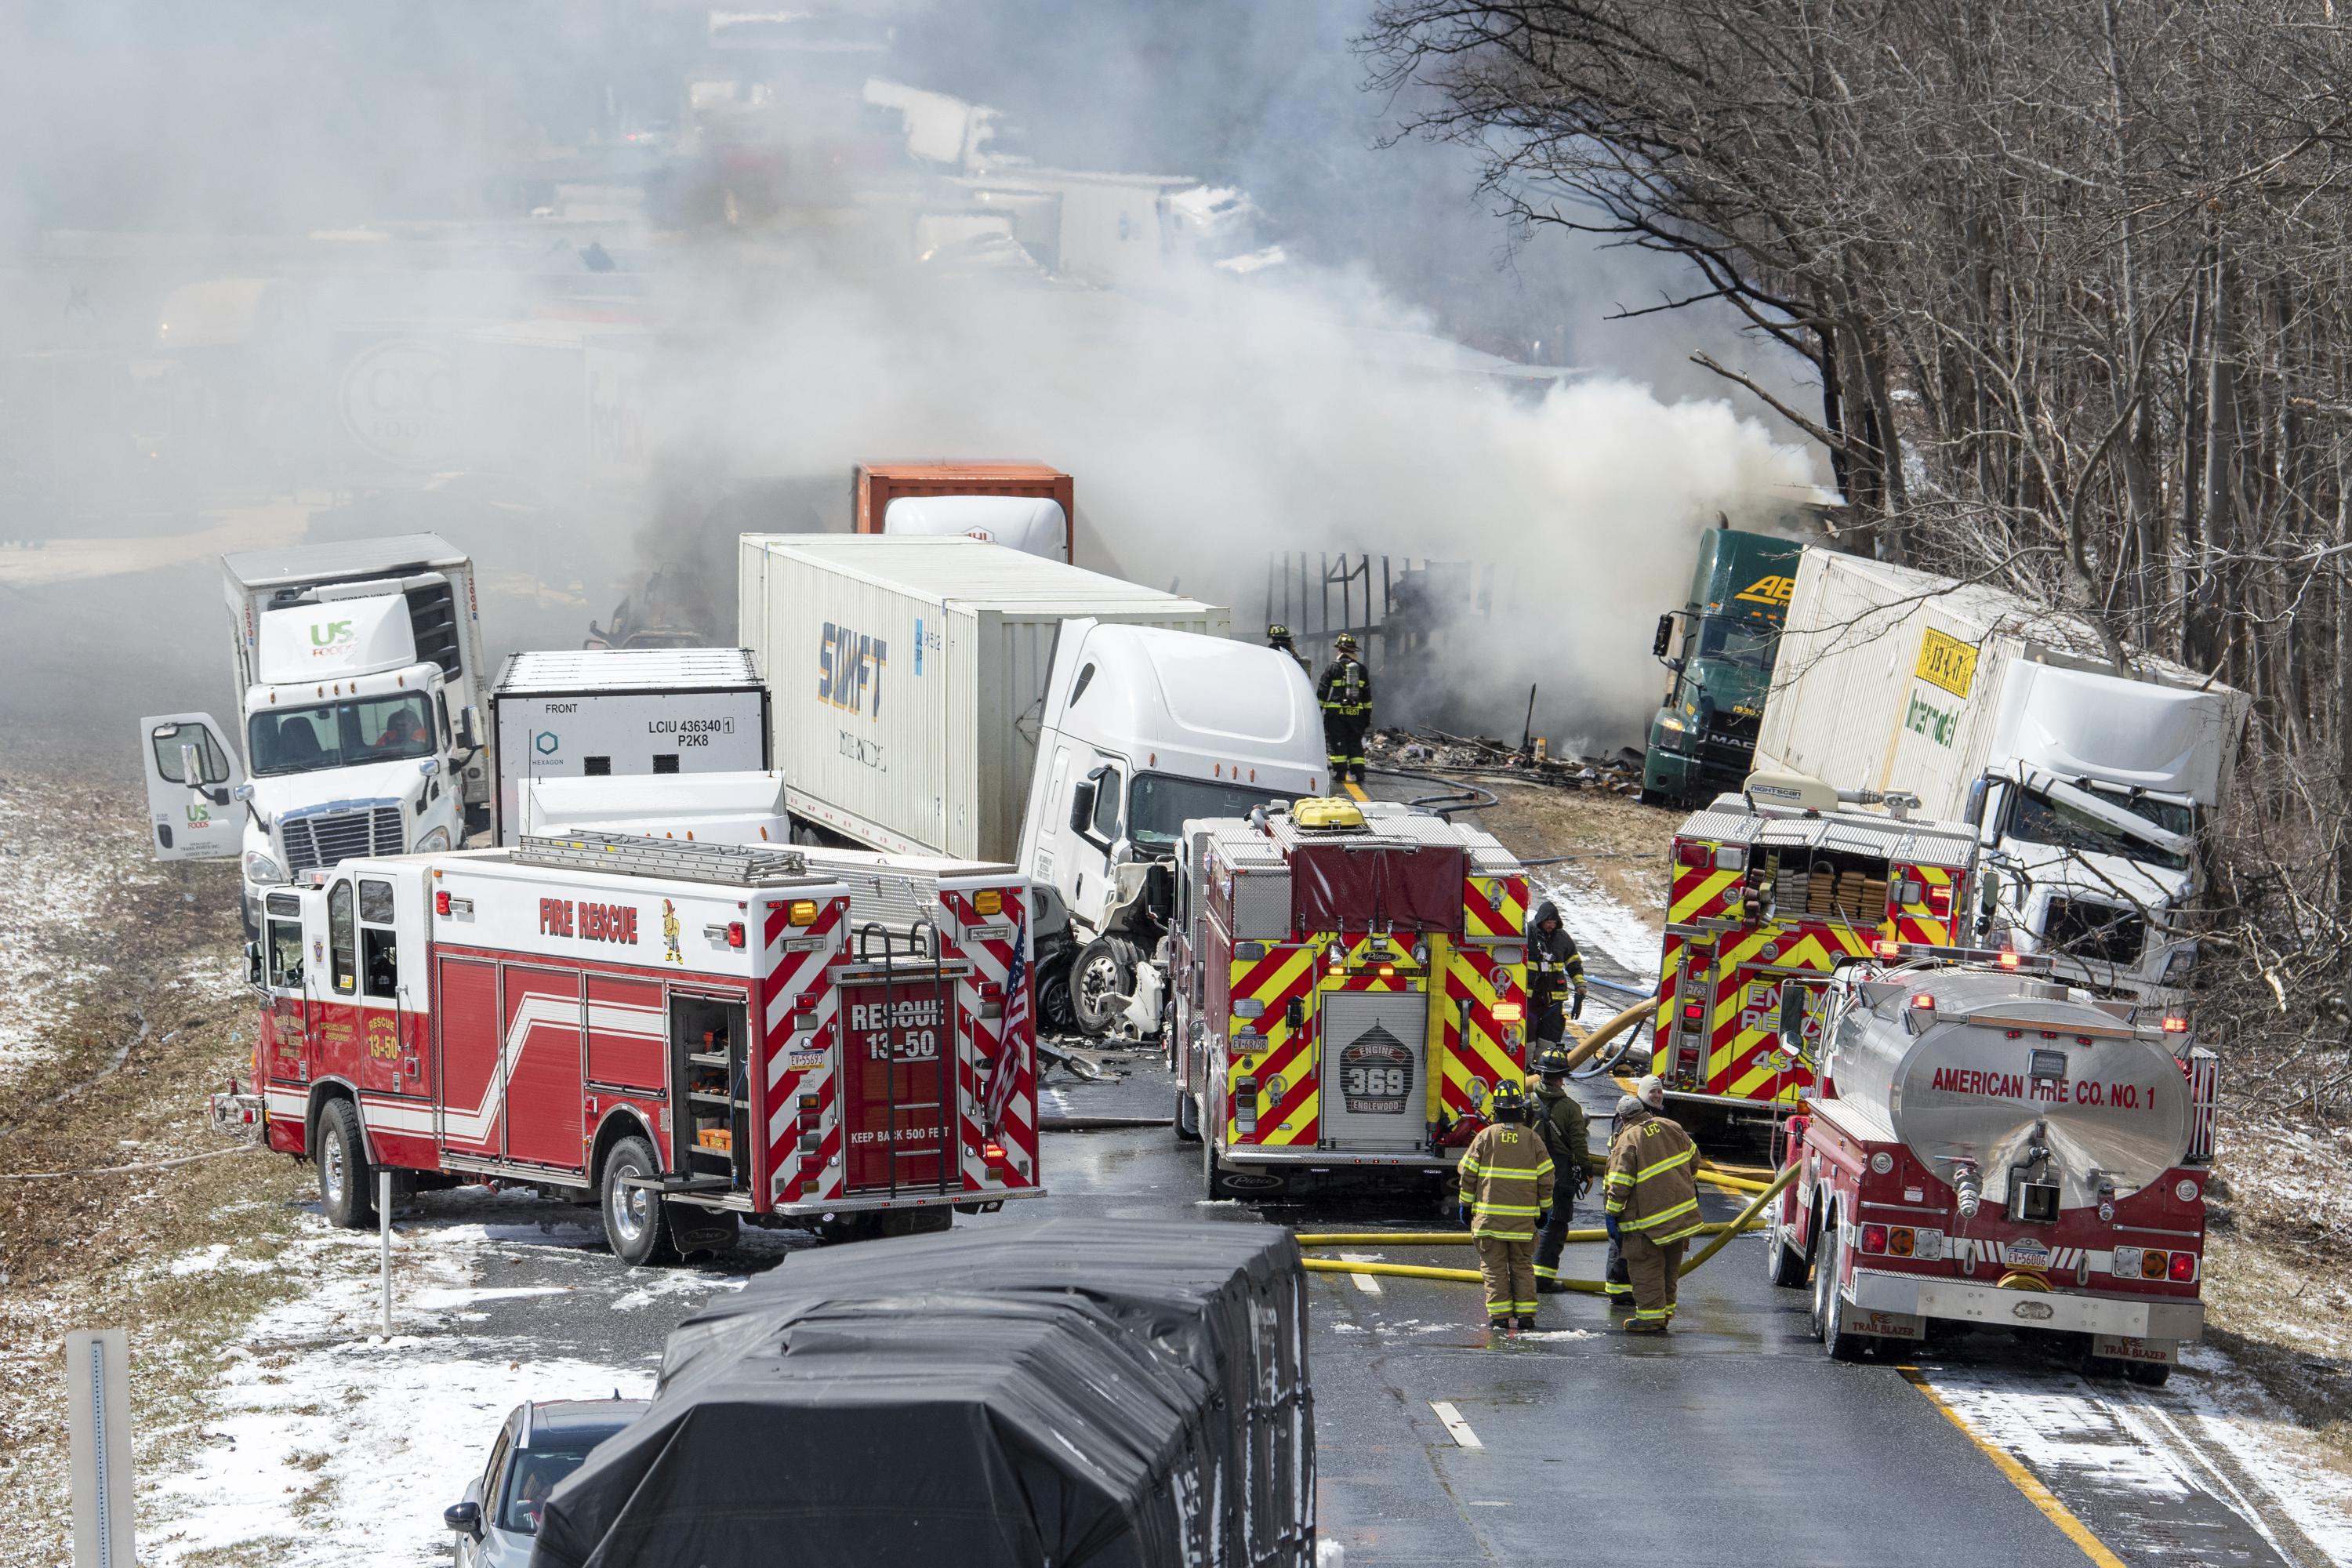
column 1055, row 1014
column 1100, row 981
column 344, row 1179
column 1783, row 1264
column 636, row 1226
column 1829, row 1307
column 2148, row 1373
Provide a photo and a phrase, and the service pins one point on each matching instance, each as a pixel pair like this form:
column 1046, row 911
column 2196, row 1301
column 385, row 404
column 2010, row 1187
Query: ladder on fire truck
column 630, row 855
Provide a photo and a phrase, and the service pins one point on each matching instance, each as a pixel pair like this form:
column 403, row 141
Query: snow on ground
column 2299, row 1170
column 59, row 862
column 2151, row 1446
column 325, row 1444
column 1602, row 924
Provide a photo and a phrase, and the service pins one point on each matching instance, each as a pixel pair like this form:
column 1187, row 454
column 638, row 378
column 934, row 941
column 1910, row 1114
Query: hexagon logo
column 546, row 743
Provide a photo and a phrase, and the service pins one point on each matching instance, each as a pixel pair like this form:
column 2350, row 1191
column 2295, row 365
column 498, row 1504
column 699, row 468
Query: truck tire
column 1829, row 1305
column 1100, row 983
column 1055, row 1014
column 1187, row 1117
column 1784, row 1265
column 345, row 1181
column 636, row 1221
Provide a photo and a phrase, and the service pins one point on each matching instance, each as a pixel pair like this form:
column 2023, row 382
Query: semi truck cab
column 348, row 744
column 1703, row 737
column 1143, row 729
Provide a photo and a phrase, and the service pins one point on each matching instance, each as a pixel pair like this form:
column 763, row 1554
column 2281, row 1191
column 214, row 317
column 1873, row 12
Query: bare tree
column 2072, row 281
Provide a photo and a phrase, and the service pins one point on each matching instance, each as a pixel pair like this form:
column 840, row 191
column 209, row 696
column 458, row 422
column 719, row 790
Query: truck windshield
column 1750, row 644
column 2041, row 820
column 340, row 734
column 1158, row 806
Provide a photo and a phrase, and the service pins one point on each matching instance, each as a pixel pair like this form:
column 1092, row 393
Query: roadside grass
column 183, row 1258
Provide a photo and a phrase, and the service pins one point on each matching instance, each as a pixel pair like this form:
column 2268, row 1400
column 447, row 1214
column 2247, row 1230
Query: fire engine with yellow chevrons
column 1350, row 986
column 1781, row 884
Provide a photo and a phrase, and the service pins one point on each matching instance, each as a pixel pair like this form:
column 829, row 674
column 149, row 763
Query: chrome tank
column 1960, row 1091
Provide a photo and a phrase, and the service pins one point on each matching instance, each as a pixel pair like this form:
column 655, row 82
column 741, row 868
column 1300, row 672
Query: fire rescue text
column 590, row 922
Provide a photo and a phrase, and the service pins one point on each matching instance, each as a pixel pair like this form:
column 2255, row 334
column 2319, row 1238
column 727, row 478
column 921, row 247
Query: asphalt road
column 1735, row 1441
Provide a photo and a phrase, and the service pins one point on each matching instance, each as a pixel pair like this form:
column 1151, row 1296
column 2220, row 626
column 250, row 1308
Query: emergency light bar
column 2000, row 957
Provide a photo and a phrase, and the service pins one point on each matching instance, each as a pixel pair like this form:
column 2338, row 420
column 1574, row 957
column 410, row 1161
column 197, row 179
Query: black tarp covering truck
column 1081, row 1393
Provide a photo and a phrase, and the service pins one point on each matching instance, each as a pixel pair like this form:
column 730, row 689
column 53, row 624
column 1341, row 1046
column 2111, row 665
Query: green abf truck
column 1704, row 736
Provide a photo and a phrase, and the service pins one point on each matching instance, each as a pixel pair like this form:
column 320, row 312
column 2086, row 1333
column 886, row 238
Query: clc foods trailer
column 693, row 1034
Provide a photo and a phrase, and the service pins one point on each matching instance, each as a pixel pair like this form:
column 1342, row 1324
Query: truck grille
column 2105, row 931
column 332, row 836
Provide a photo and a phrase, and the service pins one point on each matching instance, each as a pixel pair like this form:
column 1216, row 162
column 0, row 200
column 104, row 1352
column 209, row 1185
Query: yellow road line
column 1356, row 790
column 2024, row 1479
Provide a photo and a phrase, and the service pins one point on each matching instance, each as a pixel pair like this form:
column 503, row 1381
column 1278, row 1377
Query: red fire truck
column 692, row 1035
column 1994, row 1149
column 1350, row 987
column 1787, row 882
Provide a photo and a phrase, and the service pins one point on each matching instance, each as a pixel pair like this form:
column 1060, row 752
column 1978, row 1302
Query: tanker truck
column 1992, row 1148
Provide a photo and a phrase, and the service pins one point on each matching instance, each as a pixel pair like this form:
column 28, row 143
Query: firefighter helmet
column 1277, row 634
column 1551, row 1063
column 1345, row 642
column 1509, row 1100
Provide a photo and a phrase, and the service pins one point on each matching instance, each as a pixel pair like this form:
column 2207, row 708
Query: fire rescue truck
column 693, row 1034
column 1350, row 987
column 1993, row 1149
column 1787, row 881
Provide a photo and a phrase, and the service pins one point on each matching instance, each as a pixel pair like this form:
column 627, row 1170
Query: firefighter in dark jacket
column 1650, row 1206
column 1277, row 636
column 1346, row 693
column 1567, row 1138
column 1507, row 1192
column 1555, row 970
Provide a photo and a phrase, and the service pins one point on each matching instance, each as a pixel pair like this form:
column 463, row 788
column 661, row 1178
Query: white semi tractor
column 360, row 731
column 2088, row 787
column 944, row 696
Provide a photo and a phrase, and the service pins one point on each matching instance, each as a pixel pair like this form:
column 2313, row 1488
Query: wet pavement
column 1735, row 1441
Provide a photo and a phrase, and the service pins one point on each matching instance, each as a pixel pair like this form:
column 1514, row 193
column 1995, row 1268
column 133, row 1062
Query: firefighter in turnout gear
column 1560, row 1123
column 1346, row 693
column 1507, row 1192
column 1651, row 1202
column 1555, row 970
column 1277, row 636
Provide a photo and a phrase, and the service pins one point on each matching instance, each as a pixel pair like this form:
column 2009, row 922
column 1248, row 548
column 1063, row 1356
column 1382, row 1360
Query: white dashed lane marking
column 1454, row 1426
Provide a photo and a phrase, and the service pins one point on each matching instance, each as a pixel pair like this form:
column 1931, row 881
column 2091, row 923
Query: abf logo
column 1775, row 591
column 328, row 637
column 546, row 743
column 849, row 664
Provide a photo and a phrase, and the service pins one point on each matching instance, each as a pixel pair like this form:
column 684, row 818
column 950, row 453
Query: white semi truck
column 360, row 731
column 2088, row 787
column 943, row 696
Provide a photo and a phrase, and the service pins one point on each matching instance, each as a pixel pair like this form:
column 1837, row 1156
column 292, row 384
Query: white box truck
column 359, row 675
column 2087, row 787
column 579, row 713
column 944, row 696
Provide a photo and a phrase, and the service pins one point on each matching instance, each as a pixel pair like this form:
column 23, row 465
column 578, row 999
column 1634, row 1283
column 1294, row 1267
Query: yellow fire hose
column 1722, row 1234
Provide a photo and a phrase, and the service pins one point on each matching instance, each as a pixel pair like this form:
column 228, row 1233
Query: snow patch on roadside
column 2106, row 1440
column 2267, row 1439
column 324, row 1444
column 1600, row 923
column 60, row 861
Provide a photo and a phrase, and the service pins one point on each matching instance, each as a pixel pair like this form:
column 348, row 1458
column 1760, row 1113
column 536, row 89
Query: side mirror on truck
column 253, row 964
column 1665, row 638
column 1082, row 805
